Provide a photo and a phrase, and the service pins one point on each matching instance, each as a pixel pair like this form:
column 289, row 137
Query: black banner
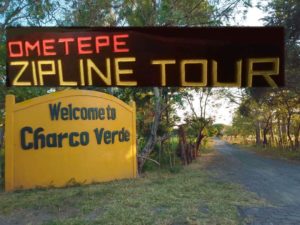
column 146, row 56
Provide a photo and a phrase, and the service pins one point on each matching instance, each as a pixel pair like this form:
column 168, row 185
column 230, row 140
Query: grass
column 191, row 196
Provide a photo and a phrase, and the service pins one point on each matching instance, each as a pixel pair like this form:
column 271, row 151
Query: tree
column 92, row 13
column 20, row 13
column 218, row 129
column 243, row 125
column 199, row 121
column 288, row 104
column 167, row 13
column 28, row 12
column 287, row 13
column 225, row 11
column 275, row 113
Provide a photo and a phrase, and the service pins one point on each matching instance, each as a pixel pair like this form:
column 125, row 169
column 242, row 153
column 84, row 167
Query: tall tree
column 287, row 13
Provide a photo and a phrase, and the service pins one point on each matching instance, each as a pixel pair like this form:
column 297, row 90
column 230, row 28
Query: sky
column 224, row 113
column 254, row 15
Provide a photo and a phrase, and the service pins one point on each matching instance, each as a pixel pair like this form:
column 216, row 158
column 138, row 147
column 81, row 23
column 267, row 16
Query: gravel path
column 277, row 181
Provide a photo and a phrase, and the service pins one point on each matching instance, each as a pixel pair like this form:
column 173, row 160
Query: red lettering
column 118, row 43
column 99, row 43
column 31, row 47
column 18, row 44
column 84, row 45
column 66, row 41
column 47, row 47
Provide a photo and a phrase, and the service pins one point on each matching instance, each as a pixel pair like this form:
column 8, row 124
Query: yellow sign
column 68, row 137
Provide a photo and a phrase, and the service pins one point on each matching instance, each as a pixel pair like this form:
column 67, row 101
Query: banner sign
column 68, row 137
column 148, row 56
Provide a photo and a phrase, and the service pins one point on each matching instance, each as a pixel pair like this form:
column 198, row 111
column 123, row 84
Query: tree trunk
column 289, row 130
column 198, row 142
column 284, row 131
column 297, row 131
column 280, row 142
column 153, row 135
column 265, row 141
column 257, row 133
column 266, row 129
column 272, row 140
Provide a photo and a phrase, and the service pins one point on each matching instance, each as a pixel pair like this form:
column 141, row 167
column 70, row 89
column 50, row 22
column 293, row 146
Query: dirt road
column 277, row 181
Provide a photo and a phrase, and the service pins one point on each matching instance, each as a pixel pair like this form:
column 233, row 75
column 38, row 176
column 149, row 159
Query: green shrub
column 176, row 169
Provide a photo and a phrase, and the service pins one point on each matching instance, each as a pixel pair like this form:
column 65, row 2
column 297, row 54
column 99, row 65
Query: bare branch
column 143, row 157
column 192, row 107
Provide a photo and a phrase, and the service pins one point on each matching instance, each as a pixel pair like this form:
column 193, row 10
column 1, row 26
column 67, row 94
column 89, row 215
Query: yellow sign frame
column 116, row 160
